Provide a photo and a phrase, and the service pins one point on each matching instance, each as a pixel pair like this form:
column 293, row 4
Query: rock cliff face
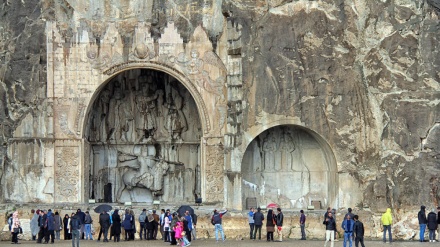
column 363, row 75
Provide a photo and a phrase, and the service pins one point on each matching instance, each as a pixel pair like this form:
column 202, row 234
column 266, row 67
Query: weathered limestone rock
column 344, row 94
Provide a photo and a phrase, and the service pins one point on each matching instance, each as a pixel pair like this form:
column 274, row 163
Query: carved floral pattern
column 214, row 173
column 67, row 174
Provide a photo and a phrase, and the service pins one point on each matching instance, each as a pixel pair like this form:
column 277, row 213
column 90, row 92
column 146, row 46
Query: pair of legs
column 143, row 230
column 385, row 229
column 88, row 231
column 269, row 236
column 219, row 228
column 359, row 239
column 348, row 236
column 431, row 235
column 251, row 233
column 50, row 234
column 257, row 229
column 14, row 237
column 75, row 237
column 422, row 232
column 329, row 236
column 303, row 231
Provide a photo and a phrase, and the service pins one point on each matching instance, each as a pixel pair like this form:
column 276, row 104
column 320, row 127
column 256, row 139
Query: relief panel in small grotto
column 289, row 166
column 145, row 130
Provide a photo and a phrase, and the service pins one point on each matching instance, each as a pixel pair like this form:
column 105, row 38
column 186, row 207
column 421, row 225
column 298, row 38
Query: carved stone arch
column 180, row 76
column 328, row 169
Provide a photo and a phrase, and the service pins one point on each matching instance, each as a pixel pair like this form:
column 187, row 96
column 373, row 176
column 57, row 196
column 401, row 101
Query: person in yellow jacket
column 387, row 221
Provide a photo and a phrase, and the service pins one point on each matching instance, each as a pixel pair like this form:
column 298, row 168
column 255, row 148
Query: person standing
column 280, row 219
column 82, row 216
column 126, row 223
column 67, row 235
column 302, row 224
column 217, row 221
column 422, row 223
column 88, row 226
column 42, row 225
column 34, row 224
column 156, row 224
column 432, row 225
column 174, row 220
column 161, row 223
column 358, row 231
column 149, row 225
column 15, row 227
column 50, row 228
column 116, row 225
column 193, row 232
column 58, row 225
column 10, row 222
column 347, row 226
column 251, row 223
column 189, row 220
column 142, row 218
column 75, row 229
column 270, row 224
column 387, row 221
column 330, row 227
column 166, row 227
column 258, row 222
column 104, row 221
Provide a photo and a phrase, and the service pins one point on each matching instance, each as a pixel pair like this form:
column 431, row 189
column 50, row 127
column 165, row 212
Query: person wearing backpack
column 216, row 220
column 75, row 227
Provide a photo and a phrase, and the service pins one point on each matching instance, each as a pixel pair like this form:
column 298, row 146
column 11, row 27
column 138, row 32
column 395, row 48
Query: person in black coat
column 258, row 222
column 330, row 228
column 432, row 225
column 116, row 227
column 422, row 223
column 358, row 231
column 104, row 221
column 270, row 224
column 67, row 234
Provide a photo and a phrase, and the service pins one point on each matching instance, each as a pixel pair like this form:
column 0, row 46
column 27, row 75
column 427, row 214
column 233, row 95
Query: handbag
column 20, row 230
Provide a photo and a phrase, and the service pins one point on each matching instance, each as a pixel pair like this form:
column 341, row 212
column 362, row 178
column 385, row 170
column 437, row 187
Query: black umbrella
column 185, row 208
column 103, row 208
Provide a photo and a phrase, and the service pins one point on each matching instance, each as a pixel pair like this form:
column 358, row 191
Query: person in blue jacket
column 348, row 225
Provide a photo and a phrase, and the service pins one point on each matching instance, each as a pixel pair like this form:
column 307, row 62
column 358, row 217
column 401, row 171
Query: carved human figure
column 142, row 171
column 146, row 121
column 175, row 119
column 195, row 64
column 269, row 149
column 126, row 118
column 103, row 109
column 113, row 119
column 286, row 149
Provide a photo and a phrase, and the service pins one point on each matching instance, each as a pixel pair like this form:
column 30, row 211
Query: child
column 183, row 239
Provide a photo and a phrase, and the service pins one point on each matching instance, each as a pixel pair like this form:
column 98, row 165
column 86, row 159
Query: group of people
column 431, row 222
column 352, row 226
column 273, row 221
column 176, row 229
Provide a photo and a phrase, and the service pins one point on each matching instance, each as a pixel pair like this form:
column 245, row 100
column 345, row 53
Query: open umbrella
column 103, row 208
column 273, row 205
column 185, row 208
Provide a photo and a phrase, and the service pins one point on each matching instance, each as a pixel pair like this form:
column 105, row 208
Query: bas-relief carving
column 67, row 174
column 285, row 157
column 214, row 173
column 141, row 127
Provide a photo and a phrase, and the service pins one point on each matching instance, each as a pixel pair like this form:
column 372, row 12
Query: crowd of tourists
column 180, row 229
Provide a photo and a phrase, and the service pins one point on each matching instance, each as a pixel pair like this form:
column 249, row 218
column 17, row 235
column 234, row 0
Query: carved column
column 68, row 171
column 213, row 189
